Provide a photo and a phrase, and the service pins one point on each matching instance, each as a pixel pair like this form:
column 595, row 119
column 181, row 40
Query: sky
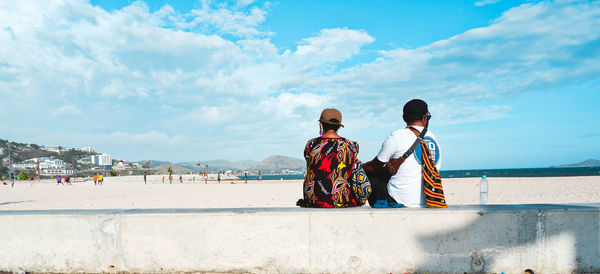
column 510, row 84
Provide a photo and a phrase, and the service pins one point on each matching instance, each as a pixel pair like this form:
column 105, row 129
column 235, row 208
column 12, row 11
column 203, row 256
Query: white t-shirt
column 406, row 187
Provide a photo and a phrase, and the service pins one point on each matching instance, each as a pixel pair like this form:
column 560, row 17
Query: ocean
column 470, row 173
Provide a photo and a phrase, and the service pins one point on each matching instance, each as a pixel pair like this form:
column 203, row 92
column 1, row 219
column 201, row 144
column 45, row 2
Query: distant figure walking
column 95, row 179
column 100, row 179
column 246, row 177
column 59, row 180
column 219, row 177
column 170, row 178
column 145, row 173
column 12, row 179
column 205, row 178
column 180, row 179
column 259, row 175
column 68, row 179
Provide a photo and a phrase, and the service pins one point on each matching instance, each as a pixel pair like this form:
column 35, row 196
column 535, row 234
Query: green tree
column 3, row 169
column 23, row 176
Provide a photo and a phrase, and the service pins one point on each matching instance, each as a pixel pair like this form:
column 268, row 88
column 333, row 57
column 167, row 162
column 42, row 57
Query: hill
column 271, row 165
column 162, row 169
column 586, row 163
column 279, row 164
column 20, row 152
column 214, row 165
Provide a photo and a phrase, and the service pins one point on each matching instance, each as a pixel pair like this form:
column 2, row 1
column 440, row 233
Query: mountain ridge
column 274, row 164
column 586, row 163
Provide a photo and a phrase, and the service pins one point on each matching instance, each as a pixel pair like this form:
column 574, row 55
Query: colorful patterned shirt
column 334, row 175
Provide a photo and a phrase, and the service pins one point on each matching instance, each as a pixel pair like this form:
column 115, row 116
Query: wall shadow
column 500, row 229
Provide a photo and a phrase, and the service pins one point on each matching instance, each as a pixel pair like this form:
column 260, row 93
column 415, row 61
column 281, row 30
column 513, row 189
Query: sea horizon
column 471, row 173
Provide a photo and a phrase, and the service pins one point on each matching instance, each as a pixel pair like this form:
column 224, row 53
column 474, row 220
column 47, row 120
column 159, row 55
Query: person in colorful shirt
column 335, row 177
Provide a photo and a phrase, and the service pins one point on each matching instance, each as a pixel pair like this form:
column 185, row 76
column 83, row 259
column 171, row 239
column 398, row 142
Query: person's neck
column 417, row 124
column 330, row 134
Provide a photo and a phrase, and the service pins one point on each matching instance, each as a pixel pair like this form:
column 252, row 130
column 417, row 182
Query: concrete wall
column 545, row 238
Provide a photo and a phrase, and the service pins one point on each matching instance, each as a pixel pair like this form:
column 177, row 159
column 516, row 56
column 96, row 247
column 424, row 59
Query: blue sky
column 509, row 83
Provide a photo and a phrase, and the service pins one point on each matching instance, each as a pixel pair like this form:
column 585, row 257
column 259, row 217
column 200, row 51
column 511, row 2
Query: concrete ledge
column 495, row 238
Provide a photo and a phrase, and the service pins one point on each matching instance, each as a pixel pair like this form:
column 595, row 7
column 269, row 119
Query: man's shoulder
column 401, row 133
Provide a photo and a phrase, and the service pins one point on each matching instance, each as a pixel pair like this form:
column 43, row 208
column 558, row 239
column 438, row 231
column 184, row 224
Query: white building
column 58, row 171
column 87, row 149
column 48, row 166
column 101, row 160
column 56, row 149
column 25, row 166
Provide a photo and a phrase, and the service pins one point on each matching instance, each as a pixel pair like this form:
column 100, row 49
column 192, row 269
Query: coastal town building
column 103, row 159
column 87, row 149
column 123, row 165
column 57, row 149
column 47, row 166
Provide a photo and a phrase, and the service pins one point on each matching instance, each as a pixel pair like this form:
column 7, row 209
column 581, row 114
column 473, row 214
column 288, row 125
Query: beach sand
column 129, row 192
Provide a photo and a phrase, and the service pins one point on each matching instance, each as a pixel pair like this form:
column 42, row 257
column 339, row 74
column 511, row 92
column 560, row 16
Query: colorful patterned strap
column 432, row 183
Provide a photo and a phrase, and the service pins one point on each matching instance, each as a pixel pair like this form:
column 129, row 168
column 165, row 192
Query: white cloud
column 533, row 47
column 296, row 106
column 149, row 138
column 240, row 20
column 485, row 2
column 68, row 110
column 177, row 77
column 333, row 45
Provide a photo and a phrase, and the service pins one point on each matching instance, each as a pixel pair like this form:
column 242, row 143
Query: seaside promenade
column 546, row 224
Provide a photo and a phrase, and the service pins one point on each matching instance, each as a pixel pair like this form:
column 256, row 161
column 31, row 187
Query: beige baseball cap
column 331, row 116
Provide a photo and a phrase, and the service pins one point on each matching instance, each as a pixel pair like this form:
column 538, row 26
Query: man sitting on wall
column 412, row 159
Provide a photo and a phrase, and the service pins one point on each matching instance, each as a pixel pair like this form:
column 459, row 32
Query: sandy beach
column 129, row 192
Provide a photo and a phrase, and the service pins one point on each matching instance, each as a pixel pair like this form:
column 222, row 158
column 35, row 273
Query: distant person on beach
column 170, row 178
column 100, row 179
column 145, row 174
column 180, row 179
column 205, row 178
column 219, row 177
column 12, row 179
column 163, row 179
column 259, row 176
column 95, row 179
column 246, row 177
column 335, row 177
column 68, row 179
column 59, row 180
column 404, row 157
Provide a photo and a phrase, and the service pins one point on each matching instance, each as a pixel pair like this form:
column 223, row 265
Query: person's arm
column 384, row 158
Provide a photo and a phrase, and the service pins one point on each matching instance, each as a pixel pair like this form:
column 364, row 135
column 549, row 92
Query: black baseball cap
column 414, row 110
